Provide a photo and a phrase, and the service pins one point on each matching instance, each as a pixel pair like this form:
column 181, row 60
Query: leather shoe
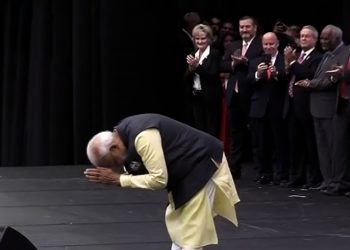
column 311, row 186
column 320, row 187
column 257, row 178
column 333, row 192
column 264, row 179
column 347, row 194
column 290, row 184
column 281, row 183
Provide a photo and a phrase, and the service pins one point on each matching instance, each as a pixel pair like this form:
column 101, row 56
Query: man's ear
column 113, row 148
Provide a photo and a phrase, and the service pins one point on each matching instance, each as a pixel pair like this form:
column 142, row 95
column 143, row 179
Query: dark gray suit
column 341, row 133
column 323, row 102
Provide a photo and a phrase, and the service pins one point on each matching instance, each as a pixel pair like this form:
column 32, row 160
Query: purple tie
column 290, row 86
column 301, row 57
column 292, row 80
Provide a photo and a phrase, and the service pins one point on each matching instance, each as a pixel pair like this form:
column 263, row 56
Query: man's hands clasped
column 102, row 175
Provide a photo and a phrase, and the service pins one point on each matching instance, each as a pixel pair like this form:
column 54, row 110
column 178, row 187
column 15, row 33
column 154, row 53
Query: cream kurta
column 191, row 225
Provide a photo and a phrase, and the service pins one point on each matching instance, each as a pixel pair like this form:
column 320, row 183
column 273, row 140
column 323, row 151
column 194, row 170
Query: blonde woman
column 203, row 75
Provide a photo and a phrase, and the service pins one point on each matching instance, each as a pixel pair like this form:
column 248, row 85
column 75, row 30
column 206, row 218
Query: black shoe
column 333, row 192
column 257, row 178
column 291, row 184
column 305, row 187
column 321, row 187
column 311, row 186
column 281, row 183
column 264, row 179
column 347, row 194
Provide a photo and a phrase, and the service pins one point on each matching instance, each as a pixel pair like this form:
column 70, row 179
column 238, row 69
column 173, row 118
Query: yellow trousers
column 192, row 225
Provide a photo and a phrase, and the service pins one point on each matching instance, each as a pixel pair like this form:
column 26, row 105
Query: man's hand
column 289, row 55
column 261, row 69
column 273, row 71
column 336, row 71
column 303, row 83
column 237, row 57
column 102, row 175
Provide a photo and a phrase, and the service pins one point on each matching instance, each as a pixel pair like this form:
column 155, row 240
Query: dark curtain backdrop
column 71, row 68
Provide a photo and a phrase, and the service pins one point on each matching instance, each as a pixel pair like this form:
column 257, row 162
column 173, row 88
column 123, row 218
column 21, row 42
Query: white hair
column 99, row 146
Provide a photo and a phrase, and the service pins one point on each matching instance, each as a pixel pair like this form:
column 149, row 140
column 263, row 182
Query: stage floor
column 57, row 209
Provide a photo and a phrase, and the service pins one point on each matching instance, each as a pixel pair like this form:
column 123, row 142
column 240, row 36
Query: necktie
column 269, row 64
column 292, row 80
column 244, row 48
column 290, row 86
column 344, row 93
column 268, row 73
column 301, row 57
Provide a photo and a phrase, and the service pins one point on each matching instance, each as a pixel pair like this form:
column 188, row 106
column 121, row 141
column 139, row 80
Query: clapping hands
column 237, row 57
column 192, row 62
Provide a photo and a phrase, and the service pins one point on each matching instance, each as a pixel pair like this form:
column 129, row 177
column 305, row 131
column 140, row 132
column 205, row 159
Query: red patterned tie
column 268, row 72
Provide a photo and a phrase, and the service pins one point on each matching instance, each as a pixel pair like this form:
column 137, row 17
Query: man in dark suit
column 267, row 76
column 238, row 92
column 304, row 167
column 324, row 101
column 187, row 162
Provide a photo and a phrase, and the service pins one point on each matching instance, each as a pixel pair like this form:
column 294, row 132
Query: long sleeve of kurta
column 148, row 145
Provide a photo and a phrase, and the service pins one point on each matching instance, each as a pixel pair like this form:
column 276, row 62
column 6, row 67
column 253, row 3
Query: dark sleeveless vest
column 187, row 152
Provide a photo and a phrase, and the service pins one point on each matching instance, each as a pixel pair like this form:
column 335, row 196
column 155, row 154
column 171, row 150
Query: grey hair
column 99, row 146
column 337, row 33
column 313, row 30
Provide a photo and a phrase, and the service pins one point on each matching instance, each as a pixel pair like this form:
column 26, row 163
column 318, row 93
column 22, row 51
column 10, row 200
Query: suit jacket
column 301, row 95
column 209, row 74
column 239, row 72
column 323, row 99
column 347, row 80
column 268, row 95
